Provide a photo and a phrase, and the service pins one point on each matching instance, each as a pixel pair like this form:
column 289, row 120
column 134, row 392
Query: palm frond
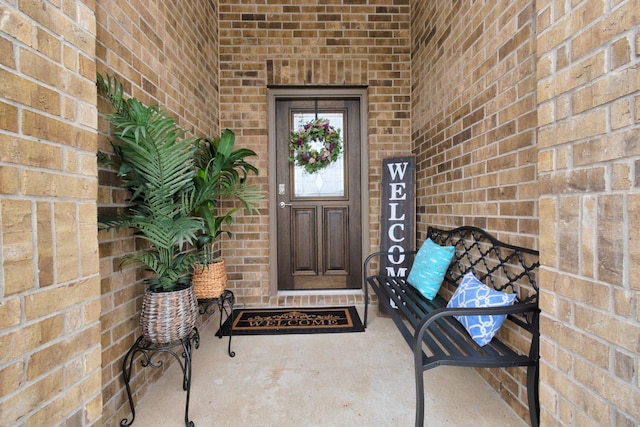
column 155, row 161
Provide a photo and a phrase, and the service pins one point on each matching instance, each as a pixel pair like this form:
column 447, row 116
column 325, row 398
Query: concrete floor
column 343, row 379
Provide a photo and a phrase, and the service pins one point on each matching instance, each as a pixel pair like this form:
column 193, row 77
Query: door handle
column 283, row 204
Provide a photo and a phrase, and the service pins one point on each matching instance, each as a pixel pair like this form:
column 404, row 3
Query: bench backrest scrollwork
column 504, row 267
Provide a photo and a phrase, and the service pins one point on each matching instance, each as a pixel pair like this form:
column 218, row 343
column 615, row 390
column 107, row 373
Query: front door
column 319, row 224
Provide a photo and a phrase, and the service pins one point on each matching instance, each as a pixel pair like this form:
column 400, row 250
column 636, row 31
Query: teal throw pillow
column 429, row 267
column 473, row 293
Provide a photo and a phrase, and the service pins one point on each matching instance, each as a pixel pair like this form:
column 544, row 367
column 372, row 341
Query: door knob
column 283, row 204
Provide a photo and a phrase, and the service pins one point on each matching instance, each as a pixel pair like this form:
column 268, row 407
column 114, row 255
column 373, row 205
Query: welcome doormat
column 292, row 320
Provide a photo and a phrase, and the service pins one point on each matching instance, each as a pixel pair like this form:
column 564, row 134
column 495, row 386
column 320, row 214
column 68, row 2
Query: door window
column 328, row 181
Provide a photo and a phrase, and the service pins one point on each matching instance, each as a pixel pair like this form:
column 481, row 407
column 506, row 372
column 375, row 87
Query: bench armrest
column 374, row 255
column 365, row 269
column 424, row 324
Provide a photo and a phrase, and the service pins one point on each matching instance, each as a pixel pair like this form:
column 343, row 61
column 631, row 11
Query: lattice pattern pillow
column 429, row 267
column 473, row 293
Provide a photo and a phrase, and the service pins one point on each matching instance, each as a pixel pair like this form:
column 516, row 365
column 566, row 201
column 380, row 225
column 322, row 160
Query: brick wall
column 509, row 102
column 308, row 43
column 165, row 53
column 473, row 115
column 588, row 92
column 49, row 282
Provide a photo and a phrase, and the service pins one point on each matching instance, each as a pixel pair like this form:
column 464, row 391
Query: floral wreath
column 310, row 159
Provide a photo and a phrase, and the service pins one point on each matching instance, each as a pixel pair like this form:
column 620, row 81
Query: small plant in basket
column 220, row 175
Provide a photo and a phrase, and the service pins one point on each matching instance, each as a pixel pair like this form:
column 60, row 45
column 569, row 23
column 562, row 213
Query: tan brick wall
column 49, row 280
column 474, row 118
column 588, row 91
column 165, row 53
column 308, row 43
column 473, row 115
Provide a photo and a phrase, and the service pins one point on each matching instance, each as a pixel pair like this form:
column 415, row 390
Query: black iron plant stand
column 227, row 298
column 149, row 350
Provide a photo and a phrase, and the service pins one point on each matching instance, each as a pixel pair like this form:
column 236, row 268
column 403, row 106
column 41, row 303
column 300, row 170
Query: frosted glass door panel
column 329, row 181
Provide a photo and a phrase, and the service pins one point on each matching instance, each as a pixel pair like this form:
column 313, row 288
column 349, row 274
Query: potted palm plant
column 155, row 162
column 221, row 173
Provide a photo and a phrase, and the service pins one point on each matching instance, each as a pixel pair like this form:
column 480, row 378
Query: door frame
column 315, row 92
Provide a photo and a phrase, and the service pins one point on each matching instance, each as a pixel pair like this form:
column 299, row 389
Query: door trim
column 273, row 94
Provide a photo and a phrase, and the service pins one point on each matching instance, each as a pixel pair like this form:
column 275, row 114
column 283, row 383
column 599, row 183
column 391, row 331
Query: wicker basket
column 168, row 316
column 209, row 280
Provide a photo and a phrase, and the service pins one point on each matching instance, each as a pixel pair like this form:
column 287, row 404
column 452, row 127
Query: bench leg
column 532, row 394
column 366, row 309
column 419, row 390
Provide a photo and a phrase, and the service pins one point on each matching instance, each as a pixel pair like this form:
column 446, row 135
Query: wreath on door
column 315, row 145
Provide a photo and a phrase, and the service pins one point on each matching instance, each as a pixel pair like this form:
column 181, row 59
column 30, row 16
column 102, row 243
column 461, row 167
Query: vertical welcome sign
column 398, row 213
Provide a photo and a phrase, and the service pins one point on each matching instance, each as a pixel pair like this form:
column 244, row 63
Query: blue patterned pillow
column 429, row 267
column 473, row 293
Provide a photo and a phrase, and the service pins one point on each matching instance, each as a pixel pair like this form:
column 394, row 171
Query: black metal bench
column 432, row 332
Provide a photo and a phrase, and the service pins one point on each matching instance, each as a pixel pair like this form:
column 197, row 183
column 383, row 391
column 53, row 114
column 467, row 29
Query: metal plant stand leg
column 148, row 351
column 225, row 304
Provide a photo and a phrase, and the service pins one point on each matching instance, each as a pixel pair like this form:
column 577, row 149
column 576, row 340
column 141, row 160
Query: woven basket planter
column 168, row 316
column 209, row 280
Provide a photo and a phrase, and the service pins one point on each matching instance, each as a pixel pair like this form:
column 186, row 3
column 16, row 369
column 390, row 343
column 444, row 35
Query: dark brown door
column 319, row 215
